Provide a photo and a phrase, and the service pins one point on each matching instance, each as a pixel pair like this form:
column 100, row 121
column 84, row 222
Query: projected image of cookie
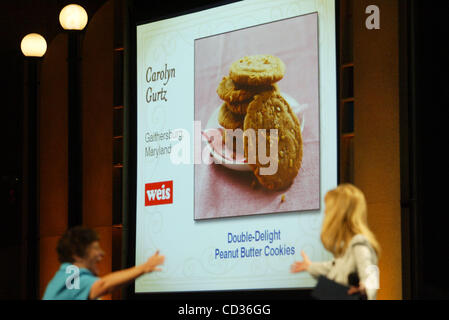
column 271, row 111
column 251, row 97
column 234, row 93
column 257, row 70
column 257, row 98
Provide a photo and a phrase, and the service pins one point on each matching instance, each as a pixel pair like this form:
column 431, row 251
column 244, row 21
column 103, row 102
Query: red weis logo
column 158, row 193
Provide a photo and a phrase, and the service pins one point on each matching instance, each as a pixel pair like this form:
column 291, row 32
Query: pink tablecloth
column 221, row 192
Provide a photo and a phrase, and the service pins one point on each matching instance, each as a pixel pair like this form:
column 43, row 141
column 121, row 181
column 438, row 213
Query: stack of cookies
column 252, row 101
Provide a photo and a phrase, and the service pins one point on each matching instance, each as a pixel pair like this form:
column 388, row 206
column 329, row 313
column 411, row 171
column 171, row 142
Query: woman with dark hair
column 79, row 252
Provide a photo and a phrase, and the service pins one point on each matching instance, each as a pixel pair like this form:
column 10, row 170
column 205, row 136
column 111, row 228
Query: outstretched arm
column 300, row 266
column 315, row 269
column 115, row 280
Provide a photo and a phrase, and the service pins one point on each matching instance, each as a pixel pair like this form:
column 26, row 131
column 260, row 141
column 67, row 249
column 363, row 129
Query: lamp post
column 33, row 47
column 73, row 18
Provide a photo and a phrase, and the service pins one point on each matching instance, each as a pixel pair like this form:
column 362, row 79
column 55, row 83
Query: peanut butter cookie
column 228, row 119
column 257, row 70
column 271, row 111
column 232, row 93
column 240, row 107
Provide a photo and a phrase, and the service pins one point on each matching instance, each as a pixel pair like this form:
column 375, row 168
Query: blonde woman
column 346, row 235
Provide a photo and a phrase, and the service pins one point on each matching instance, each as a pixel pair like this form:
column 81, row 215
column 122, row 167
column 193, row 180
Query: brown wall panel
column 49, row 263
column 97, row 87
column 376, row 142
column 385, row 220
column 53, row 139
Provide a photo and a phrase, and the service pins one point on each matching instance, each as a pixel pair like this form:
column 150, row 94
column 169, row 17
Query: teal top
column 70, row 283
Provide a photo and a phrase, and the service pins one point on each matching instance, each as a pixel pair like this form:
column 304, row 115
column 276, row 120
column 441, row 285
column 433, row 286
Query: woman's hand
column 117, row 279
column 152, row 263
column 360, row 289
column 300, row 266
